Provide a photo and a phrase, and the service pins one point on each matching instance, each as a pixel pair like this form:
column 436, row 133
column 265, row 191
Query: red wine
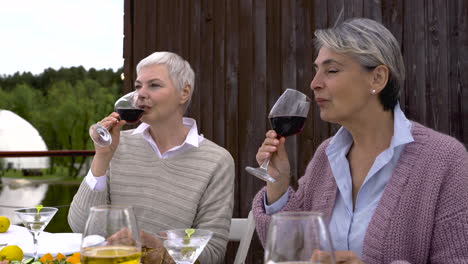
column 287, row 126
column 131, row 115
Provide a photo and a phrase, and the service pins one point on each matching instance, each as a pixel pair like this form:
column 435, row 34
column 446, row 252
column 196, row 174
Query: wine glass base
column 100, row 135
column 260, row 173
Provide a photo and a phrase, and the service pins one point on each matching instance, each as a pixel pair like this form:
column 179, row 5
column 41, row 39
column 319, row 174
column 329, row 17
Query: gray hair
column 180, row 71
column 371, row 44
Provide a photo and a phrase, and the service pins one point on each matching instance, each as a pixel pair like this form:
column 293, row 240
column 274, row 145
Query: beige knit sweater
column 193, row 189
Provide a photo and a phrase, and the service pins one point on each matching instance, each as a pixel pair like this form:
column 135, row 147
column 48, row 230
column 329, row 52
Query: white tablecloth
column 65, row 243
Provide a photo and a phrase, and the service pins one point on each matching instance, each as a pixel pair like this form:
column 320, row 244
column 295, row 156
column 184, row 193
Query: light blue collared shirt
column 347, row 226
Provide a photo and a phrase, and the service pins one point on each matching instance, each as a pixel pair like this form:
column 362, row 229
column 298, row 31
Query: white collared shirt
column 193, row 140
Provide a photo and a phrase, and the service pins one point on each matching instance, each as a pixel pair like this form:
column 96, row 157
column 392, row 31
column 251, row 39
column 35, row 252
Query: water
column 21, row 193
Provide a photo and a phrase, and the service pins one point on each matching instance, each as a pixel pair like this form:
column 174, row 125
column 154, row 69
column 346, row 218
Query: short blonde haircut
column 180, row 71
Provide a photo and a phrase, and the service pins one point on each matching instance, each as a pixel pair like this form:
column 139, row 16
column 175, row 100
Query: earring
column 373, row 91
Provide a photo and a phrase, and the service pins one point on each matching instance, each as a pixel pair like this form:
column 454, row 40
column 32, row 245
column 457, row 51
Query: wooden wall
column 246, row 52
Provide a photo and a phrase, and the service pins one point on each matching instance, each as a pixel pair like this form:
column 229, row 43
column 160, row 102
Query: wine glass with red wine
column 126, row 107
column 287, row 118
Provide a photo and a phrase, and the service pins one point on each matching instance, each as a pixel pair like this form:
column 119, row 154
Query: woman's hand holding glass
column 278, row 167
column 114, row 125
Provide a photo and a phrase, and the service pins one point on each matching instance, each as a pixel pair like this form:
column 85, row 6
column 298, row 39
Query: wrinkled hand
column 274, row 149
column 321, row 257
column 155, row 253
column 4, row 262
column 348, row 257
column 123, row 237
column 341, row 257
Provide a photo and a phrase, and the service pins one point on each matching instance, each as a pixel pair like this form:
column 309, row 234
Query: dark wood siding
column 246, row 52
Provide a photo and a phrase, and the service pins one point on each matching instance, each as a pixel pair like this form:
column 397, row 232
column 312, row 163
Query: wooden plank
column 194, row 58
column 128, row 48
column 414, row 54
column 246, row 107
column 353, row 8
column 139, row 31
column 393, row 19
column 183, row 22
column 232, row 92
column 219, row 88
column 151, row 16
column 206, row 70
column 457, row 68
column 273, row 47
column 373, row 10
column 437, row 64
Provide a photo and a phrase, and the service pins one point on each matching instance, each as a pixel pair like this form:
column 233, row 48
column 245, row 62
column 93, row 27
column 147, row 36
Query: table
column 54, row 243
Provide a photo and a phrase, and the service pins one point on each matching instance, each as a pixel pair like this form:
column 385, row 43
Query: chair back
column 242, row 230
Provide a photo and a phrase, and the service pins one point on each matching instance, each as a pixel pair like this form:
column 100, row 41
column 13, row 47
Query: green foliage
column 62, row 105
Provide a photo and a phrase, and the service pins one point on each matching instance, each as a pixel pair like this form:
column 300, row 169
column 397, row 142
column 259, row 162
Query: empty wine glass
column 185, row 245
column 128, row 110
column 287, row 118
column 35, row 219
column 111, row 236
column 298, row 237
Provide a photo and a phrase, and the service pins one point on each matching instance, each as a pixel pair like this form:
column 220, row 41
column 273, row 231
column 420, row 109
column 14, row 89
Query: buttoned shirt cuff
column 96, row 183
column 276, row 206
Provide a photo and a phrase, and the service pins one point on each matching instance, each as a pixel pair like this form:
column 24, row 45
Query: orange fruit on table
column 75, row 258
column 60, row 256
column 46, row 258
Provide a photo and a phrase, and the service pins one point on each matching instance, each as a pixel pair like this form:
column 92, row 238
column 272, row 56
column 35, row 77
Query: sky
column 40, row 34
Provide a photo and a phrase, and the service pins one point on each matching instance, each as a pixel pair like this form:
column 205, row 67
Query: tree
column 62, row 105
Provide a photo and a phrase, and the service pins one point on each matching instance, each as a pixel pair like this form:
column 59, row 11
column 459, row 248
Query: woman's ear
column 185, row 94
column 379, row 78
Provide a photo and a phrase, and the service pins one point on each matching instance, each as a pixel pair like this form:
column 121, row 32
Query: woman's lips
column 320, row 101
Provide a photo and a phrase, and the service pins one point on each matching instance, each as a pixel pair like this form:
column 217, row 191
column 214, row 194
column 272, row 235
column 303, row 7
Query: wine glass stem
column 34, row 235
column 265, row 164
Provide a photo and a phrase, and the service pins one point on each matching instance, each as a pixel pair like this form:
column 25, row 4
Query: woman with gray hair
column 172, row 176
column 391, row 189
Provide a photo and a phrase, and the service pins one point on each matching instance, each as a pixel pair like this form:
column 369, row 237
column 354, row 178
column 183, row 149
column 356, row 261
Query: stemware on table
column 35, row 221
column 182, row 248
column 111, row 235
column 287, row 118
column 298, row 237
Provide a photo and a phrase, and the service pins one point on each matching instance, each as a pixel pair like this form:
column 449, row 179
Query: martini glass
column 128, row 110
column 185, row 245
column 35, row 221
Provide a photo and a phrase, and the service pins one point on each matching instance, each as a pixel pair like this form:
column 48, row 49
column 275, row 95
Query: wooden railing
column 49, row 153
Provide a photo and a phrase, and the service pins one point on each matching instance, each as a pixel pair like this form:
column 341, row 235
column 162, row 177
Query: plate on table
column 53, row 243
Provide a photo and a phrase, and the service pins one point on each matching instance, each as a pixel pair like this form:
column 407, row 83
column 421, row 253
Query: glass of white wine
column 111, row 236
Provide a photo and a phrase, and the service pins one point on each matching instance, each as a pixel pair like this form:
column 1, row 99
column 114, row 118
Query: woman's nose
column 316, row 82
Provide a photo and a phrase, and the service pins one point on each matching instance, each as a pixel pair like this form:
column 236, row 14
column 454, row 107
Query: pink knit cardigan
column 422, row 216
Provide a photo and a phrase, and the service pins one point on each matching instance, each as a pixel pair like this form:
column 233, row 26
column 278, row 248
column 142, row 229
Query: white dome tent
column 17, row 134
